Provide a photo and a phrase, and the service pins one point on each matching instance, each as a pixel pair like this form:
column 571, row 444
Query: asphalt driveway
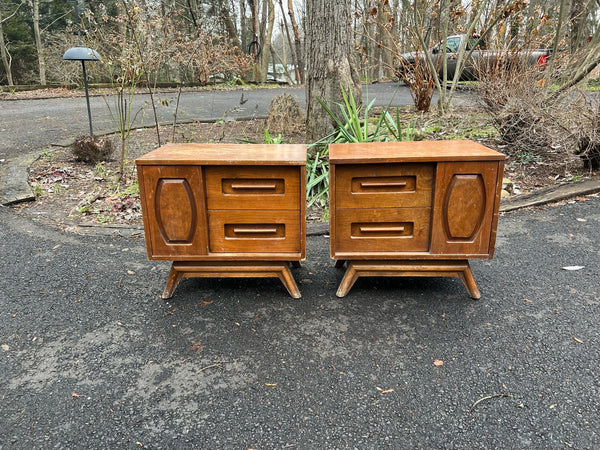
column 91, row 357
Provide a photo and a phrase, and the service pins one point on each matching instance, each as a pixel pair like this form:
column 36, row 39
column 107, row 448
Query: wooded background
column 200, row 42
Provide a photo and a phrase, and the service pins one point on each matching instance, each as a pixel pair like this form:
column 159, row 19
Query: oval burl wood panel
column 176, row 213
column 464, row 207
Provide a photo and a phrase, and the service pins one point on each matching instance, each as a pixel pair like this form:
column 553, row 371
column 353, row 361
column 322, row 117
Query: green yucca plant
column 354, row 127
column 317, row 177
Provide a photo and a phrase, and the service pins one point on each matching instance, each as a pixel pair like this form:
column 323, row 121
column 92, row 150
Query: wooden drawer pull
column 381, row 184
column 382, row 229
column 254, row 186
column 255, row 230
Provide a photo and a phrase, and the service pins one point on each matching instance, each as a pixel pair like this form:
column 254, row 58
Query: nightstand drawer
column 259, row 231
column 252, row 187
column 382, row 230
column 383, row 185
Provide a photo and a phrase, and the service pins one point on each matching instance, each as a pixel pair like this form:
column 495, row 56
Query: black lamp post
column 82, row 54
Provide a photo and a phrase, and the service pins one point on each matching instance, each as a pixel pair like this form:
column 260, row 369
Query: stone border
column 551, row 194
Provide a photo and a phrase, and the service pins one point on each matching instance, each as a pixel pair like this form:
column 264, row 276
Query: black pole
column 78, row 22
column 87, row 98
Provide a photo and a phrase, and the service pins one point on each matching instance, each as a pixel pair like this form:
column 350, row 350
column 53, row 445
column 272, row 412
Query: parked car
column 477, row 62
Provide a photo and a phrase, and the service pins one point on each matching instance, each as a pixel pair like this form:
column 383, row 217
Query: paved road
column 30, row 125
column 91, row 357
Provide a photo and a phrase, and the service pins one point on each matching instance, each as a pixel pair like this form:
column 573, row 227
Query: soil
column 73, row 193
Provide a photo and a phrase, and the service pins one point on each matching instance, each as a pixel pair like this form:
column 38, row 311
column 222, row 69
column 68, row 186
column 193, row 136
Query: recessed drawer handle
column 254, row 186
column 382, row 229
column 255, row 230
column 380, row 184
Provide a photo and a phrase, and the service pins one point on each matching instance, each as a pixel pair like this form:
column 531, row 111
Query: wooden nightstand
column 413, row 208
column 219, row 210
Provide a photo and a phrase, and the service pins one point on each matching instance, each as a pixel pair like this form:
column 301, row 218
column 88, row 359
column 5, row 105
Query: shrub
column 285, row 115
column 588, row 139
column 92, row 150
column 534, row 119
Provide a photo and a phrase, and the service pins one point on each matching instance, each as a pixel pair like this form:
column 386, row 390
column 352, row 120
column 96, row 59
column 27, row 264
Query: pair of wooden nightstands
column 397, row 209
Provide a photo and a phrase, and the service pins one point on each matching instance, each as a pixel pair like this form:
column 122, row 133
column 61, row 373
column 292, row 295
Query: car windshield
column 473, row 40
column 453, row 44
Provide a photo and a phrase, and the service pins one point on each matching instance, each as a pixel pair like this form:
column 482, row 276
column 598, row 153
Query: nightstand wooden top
column 413, row 151
column 226, row 154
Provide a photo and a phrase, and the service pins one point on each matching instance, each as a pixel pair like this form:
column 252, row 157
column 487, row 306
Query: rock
column 507, row 185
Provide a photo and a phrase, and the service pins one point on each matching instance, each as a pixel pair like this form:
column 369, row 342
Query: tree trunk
column 375, row 44
column 557, row 37
column 192, row 10
column 297, row 42
column 577, row 18
column 266, row 50
column 6, row 62
column 232, row 33
column 255, row 45
column 443, row 104
column 243, row 26
column 385, row 19
column 330, row 63
column 285, row 34
column 35, row 5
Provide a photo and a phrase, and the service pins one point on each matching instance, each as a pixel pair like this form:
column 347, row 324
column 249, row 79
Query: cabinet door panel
column 253, row 187
column 174, row 217
column 175, row 198
column 383, row 185
column 465, row 208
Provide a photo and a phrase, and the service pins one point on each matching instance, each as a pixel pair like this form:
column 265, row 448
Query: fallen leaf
column 271, row 384
column 76, row 395
column 527, row 300
column 205, row 303
column 386, row 391
column 438, row 362
column 581, row 220
column 577, row 340
column 573, row 267
column 5, row 347
column 131, row 272
column 197, row 346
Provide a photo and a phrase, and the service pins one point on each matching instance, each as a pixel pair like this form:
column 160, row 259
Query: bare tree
column 254, row 46
column 330, row 62
column 297, row 42
column 383, row 53
column 286, row 29
column 35, row 6
column 6, row 59
column 266, row 47
column 232, row 32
